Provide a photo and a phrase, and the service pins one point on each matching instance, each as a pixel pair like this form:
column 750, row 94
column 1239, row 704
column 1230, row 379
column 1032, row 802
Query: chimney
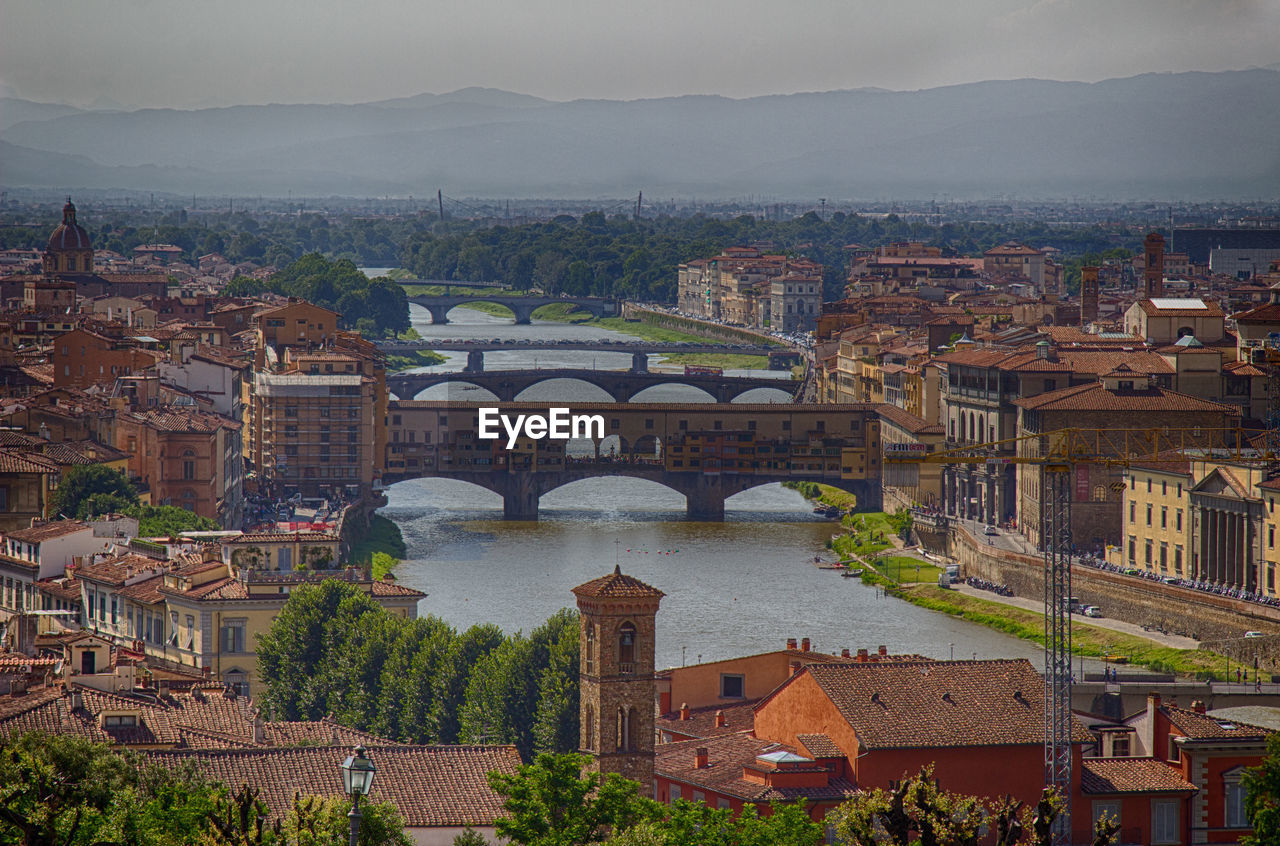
column 700, row 758
column 684, row 710
column 791, row 643
column 259, row 729
column 1149, row 728
column 882, row 651
column 1198, row 706
column 720, row 721
column 804, row 644
column 77, row 700
column 844, row 653
column 862, row 656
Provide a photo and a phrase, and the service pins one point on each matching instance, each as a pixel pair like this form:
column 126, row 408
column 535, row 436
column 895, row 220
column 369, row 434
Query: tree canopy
column 89, row 490
column 333, row 650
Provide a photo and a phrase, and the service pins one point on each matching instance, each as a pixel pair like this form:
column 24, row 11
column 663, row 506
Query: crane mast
column 1056, row 454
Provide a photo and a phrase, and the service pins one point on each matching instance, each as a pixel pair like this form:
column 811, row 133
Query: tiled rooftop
column 617, row 585
column 726, row 756
column 939, row 703
column 1131, row 775
column 430, row 785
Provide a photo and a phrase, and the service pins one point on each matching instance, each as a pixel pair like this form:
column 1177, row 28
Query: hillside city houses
column 268, row 418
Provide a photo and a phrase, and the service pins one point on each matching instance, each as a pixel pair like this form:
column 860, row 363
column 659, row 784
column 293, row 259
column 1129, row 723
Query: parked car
column 990, row 530
column 1092, row 611
column 1254, row 634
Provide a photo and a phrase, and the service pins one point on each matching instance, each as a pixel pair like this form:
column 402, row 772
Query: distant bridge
column 622, row 385
column 450, row 284
column 522, row 307
column 706, row 452
column 603, row 345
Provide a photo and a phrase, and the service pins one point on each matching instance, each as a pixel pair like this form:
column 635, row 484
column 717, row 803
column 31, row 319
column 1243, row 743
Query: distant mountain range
column 1156, row 136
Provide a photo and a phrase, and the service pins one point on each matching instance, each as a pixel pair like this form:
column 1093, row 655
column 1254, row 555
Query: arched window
column 589, row 659
column 627, row 649
column 589, row 729
column 626, row 736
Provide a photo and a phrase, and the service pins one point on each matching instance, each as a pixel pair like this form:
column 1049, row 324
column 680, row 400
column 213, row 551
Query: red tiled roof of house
column 938, row 703
column 726, row 756
column 283, row 537
column 429, row 785
column 1095, row 397
column 1205, row 309
column 617, row 585
column 1131, row 775
column 738, row 716
column 907, row 421
column 1197, row 726
column 47, row 531
column 820, row 746
column 14, row 461
column 116, row 570
column 1265, row 313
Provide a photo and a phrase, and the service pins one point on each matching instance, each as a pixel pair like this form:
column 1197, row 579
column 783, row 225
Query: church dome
column 70, row 235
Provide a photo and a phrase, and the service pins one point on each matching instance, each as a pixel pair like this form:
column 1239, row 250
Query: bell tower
column 616, row 675
column 1153, row 274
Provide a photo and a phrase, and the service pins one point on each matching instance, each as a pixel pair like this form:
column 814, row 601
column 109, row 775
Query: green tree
column 169, row 521
column 58, row 790
column 315, row 821
column 295, row 654
column 470, row 837
column 1262, row 796
column 551, row 803
column 89, row 490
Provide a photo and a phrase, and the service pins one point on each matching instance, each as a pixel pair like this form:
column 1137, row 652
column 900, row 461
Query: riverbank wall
column 1220, row 621
column 701, row 328
column 353, row 523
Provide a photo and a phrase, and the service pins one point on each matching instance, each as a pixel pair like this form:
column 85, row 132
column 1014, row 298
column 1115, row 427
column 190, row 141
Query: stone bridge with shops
column 705, row 452
column 621, row 385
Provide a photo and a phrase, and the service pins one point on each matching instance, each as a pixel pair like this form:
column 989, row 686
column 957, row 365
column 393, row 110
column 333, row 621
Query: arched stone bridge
column 622, row 385
column 706, row 452
column 522, row 307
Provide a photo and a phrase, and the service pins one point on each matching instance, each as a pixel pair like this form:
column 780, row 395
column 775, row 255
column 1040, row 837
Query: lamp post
column 357, row 779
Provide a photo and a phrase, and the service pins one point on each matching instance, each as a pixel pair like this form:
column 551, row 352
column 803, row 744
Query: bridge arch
column 766, row 395
column 457, row 390
column 704, row 394
column 553, row 380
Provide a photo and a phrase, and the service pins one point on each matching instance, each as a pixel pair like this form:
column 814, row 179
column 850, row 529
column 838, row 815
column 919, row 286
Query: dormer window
column 110, row 721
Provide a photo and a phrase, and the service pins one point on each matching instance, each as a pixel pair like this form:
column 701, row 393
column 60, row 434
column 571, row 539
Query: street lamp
column 357, row 779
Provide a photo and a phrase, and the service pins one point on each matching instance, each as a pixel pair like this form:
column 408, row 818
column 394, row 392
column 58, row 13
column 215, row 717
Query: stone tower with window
column 616, row 673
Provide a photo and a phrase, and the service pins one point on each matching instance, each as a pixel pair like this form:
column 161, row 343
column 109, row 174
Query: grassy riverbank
column 382, row 546
column 417, row 358
column 1086, row 640
column 727, row 361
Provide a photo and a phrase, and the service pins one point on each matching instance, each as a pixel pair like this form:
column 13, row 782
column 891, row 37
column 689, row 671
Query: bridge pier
column 523, row 313
column 439, row 314
column 520, row 499
column 475, row 362
column 705, row 503
column 639, row 362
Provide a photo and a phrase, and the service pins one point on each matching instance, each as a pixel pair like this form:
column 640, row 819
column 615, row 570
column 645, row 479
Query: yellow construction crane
column 1057, row 453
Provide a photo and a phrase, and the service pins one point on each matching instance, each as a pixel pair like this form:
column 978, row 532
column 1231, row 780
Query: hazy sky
column 184, row 53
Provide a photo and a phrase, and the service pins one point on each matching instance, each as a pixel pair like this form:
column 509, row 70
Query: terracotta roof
column 1095, row 397
column 116, row 570
column 47, row 531
column 179, row 420
column 430, row 785
column 1169, row 462
column 939, row 703
column 1196, row 726
column 726, row 756
column 617, row 585
column 1265, row 313
column 738, row 716
column 1205, row 309
column 820, row 746
column 283, row 537
column 907, row 421
column 1131, row 775
column 12, row 461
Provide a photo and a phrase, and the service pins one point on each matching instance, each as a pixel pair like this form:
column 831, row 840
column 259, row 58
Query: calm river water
column 733, row 588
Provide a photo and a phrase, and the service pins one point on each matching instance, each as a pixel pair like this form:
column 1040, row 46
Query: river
column 734, row 588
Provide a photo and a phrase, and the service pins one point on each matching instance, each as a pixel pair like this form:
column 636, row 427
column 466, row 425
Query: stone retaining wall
column 702, row 328
column 1179, row 611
